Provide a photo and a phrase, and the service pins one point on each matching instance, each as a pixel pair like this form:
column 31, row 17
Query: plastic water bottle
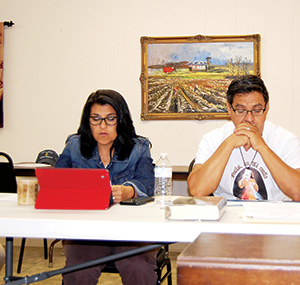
column 163, row 180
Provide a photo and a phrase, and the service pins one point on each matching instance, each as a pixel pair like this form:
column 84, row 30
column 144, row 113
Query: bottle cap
column 163, row 155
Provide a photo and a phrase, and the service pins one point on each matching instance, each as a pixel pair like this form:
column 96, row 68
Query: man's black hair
column 247, row 84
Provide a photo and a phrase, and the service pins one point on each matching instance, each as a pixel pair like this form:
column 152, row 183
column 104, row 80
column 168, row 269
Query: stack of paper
column 272, row 211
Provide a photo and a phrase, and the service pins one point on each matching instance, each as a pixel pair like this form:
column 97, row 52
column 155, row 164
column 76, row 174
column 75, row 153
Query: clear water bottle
column 163, row 180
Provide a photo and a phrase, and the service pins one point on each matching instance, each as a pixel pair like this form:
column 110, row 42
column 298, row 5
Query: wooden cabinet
column 240, row 259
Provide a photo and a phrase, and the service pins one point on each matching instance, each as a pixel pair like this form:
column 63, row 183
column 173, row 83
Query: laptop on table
column 73, row 189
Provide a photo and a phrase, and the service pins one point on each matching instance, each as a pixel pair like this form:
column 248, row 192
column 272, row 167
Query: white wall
column 59, row 51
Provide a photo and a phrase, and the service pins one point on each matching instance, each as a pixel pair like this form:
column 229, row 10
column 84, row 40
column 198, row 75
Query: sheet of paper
column 272, row 211
column 31, row 165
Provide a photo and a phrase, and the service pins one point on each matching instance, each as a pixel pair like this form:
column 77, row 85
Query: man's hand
column 255, row 139
column 236, row 141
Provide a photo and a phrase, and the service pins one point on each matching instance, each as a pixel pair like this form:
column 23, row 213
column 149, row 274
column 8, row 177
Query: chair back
column 8, row 183
column 191, row 165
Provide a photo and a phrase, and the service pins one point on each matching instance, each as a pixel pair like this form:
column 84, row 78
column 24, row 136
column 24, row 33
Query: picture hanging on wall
column 186, row 78
column 1, row 75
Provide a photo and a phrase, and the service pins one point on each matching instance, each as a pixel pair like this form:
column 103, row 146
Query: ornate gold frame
column 186, row 78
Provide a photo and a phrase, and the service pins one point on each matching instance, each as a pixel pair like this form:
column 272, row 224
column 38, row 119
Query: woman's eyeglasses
column 110, row 120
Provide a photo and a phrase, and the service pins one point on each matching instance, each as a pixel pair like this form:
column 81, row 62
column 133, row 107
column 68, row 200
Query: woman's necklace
column 105, row 158
column 244, row 159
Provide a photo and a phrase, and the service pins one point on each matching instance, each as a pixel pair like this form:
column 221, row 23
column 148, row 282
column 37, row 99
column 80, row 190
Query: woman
column 107, row 139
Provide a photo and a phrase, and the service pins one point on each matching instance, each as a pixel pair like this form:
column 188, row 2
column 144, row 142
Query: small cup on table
column 28, row 188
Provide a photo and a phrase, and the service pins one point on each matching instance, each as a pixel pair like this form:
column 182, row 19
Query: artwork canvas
column 187, row 77
column 1, row 74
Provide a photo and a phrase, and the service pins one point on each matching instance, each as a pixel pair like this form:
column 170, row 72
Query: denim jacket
column 136, row 170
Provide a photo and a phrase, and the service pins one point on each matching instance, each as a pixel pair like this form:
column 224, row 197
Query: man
column 249, row 142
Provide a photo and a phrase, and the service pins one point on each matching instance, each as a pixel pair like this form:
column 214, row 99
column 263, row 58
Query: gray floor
column 34, row 263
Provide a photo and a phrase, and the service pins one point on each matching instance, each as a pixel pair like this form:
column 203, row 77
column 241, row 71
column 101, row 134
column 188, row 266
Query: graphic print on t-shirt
column 249, row 185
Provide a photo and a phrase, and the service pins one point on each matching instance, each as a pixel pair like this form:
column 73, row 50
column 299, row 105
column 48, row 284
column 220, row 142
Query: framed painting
column 1, row 74
column 186, row 78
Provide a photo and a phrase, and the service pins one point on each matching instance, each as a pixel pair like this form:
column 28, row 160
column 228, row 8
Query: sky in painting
column 220, row 53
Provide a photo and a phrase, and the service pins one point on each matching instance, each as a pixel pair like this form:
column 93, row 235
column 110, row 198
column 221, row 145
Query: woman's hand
column 120, row 193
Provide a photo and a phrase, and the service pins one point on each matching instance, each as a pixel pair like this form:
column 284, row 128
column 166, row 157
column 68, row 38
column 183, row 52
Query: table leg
column 9, row 259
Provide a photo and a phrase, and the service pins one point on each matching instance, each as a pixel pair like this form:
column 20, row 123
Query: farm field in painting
column 169, row 94
column 187, row 79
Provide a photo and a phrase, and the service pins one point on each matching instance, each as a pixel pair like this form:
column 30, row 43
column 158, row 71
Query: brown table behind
column 179, row 172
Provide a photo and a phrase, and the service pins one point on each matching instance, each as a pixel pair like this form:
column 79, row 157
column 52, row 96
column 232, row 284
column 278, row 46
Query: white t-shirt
column 235, row 182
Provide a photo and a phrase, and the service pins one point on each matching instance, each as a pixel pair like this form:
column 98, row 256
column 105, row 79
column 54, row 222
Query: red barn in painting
column 168, row 69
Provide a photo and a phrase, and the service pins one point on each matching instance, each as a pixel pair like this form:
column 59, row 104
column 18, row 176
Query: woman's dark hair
column 247, row 84
column 124, row 142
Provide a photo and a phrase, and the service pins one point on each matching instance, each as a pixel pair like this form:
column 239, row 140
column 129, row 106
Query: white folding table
column 144, row 223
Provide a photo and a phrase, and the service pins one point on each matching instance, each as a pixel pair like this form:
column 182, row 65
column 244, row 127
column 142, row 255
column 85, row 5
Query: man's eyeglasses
column 110, row 120
column 243, row 112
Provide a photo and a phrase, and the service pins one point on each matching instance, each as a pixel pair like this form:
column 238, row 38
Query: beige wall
column 59, row 51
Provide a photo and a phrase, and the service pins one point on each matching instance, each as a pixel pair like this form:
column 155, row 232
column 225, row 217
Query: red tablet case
column 73, row 189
